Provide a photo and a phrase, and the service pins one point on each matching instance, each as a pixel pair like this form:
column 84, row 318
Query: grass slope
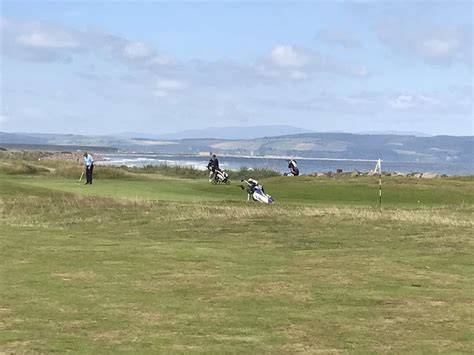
column 305, row 190
column 147, row 264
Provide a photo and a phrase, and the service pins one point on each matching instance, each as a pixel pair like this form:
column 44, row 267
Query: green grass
column 147, row 263
column 304, row 190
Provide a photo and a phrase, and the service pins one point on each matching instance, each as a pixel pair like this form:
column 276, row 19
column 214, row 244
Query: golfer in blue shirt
column 89, row 165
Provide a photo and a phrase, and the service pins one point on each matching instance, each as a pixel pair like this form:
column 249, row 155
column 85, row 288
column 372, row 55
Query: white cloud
column 266, row 71
column 46, row 39
column 297, row 64
column 165, row 87
column 289, row 57
column 136, row 50
column 298, row 75
column 439, row 48
column 402, row 102
column 160, row 60
column 419, row 102
column 171, row 85
column 160, row 93
column 436, row 44
column 375, row 103
column 40, row 42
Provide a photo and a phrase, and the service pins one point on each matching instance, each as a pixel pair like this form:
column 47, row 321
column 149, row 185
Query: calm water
column 306, row 166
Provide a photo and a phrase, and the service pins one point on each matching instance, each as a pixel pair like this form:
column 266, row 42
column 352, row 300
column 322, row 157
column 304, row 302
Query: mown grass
column 153, row 264
column 402, row 192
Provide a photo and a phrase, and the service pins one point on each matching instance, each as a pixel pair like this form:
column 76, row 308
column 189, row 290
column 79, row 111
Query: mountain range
column 223, row 133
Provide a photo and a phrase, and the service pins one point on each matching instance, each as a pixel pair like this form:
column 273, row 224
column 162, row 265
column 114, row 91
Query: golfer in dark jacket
column 213, row 165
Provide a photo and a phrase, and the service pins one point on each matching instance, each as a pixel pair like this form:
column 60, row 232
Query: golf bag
column 292, row 173
column 256, row 193
column 219, row 177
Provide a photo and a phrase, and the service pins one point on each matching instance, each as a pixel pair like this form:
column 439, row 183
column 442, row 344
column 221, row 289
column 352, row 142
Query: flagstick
column 379, row 164
column 380, row 191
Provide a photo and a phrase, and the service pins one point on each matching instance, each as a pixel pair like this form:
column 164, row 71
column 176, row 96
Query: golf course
column 156, row 261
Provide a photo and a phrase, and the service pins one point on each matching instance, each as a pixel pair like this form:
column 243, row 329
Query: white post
column 379, row 165
column 378, row 170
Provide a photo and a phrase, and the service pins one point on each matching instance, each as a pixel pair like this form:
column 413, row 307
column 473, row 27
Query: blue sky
column 104, row 67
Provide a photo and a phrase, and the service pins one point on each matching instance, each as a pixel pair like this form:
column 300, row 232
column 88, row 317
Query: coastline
column 308, row 166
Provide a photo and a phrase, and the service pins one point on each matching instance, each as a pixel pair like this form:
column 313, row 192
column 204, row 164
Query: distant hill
column 223, row 133
column 389, row 147
column 21, row 138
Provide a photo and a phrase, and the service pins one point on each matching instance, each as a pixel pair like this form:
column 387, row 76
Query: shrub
column 21, row 168
column 19, row 155
column 109, row 172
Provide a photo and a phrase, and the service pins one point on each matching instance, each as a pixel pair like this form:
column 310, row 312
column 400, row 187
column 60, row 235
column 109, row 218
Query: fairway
column 153, row 264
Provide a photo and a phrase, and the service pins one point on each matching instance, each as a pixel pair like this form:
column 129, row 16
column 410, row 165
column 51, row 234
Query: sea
column 280, row 164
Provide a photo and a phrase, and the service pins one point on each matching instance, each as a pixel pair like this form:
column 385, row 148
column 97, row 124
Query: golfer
column 212, row 166
column 89, row 166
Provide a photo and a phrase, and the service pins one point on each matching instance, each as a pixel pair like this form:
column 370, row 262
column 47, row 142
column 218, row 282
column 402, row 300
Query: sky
column 108, row 67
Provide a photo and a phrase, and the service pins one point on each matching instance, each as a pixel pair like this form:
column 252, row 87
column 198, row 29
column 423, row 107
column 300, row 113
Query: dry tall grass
column 32, row 210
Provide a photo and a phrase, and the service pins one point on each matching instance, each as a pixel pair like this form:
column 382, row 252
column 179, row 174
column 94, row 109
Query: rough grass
column 70, row 169
column 22, row 168
column 27, row 155
column 186, row 172
column 245, row 173
column 53, row 168
column 101, row 269
column 71, row 205
column 183, row 172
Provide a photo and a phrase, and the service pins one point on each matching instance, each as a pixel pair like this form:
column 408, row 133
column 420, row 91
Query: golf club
column 82, row 174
